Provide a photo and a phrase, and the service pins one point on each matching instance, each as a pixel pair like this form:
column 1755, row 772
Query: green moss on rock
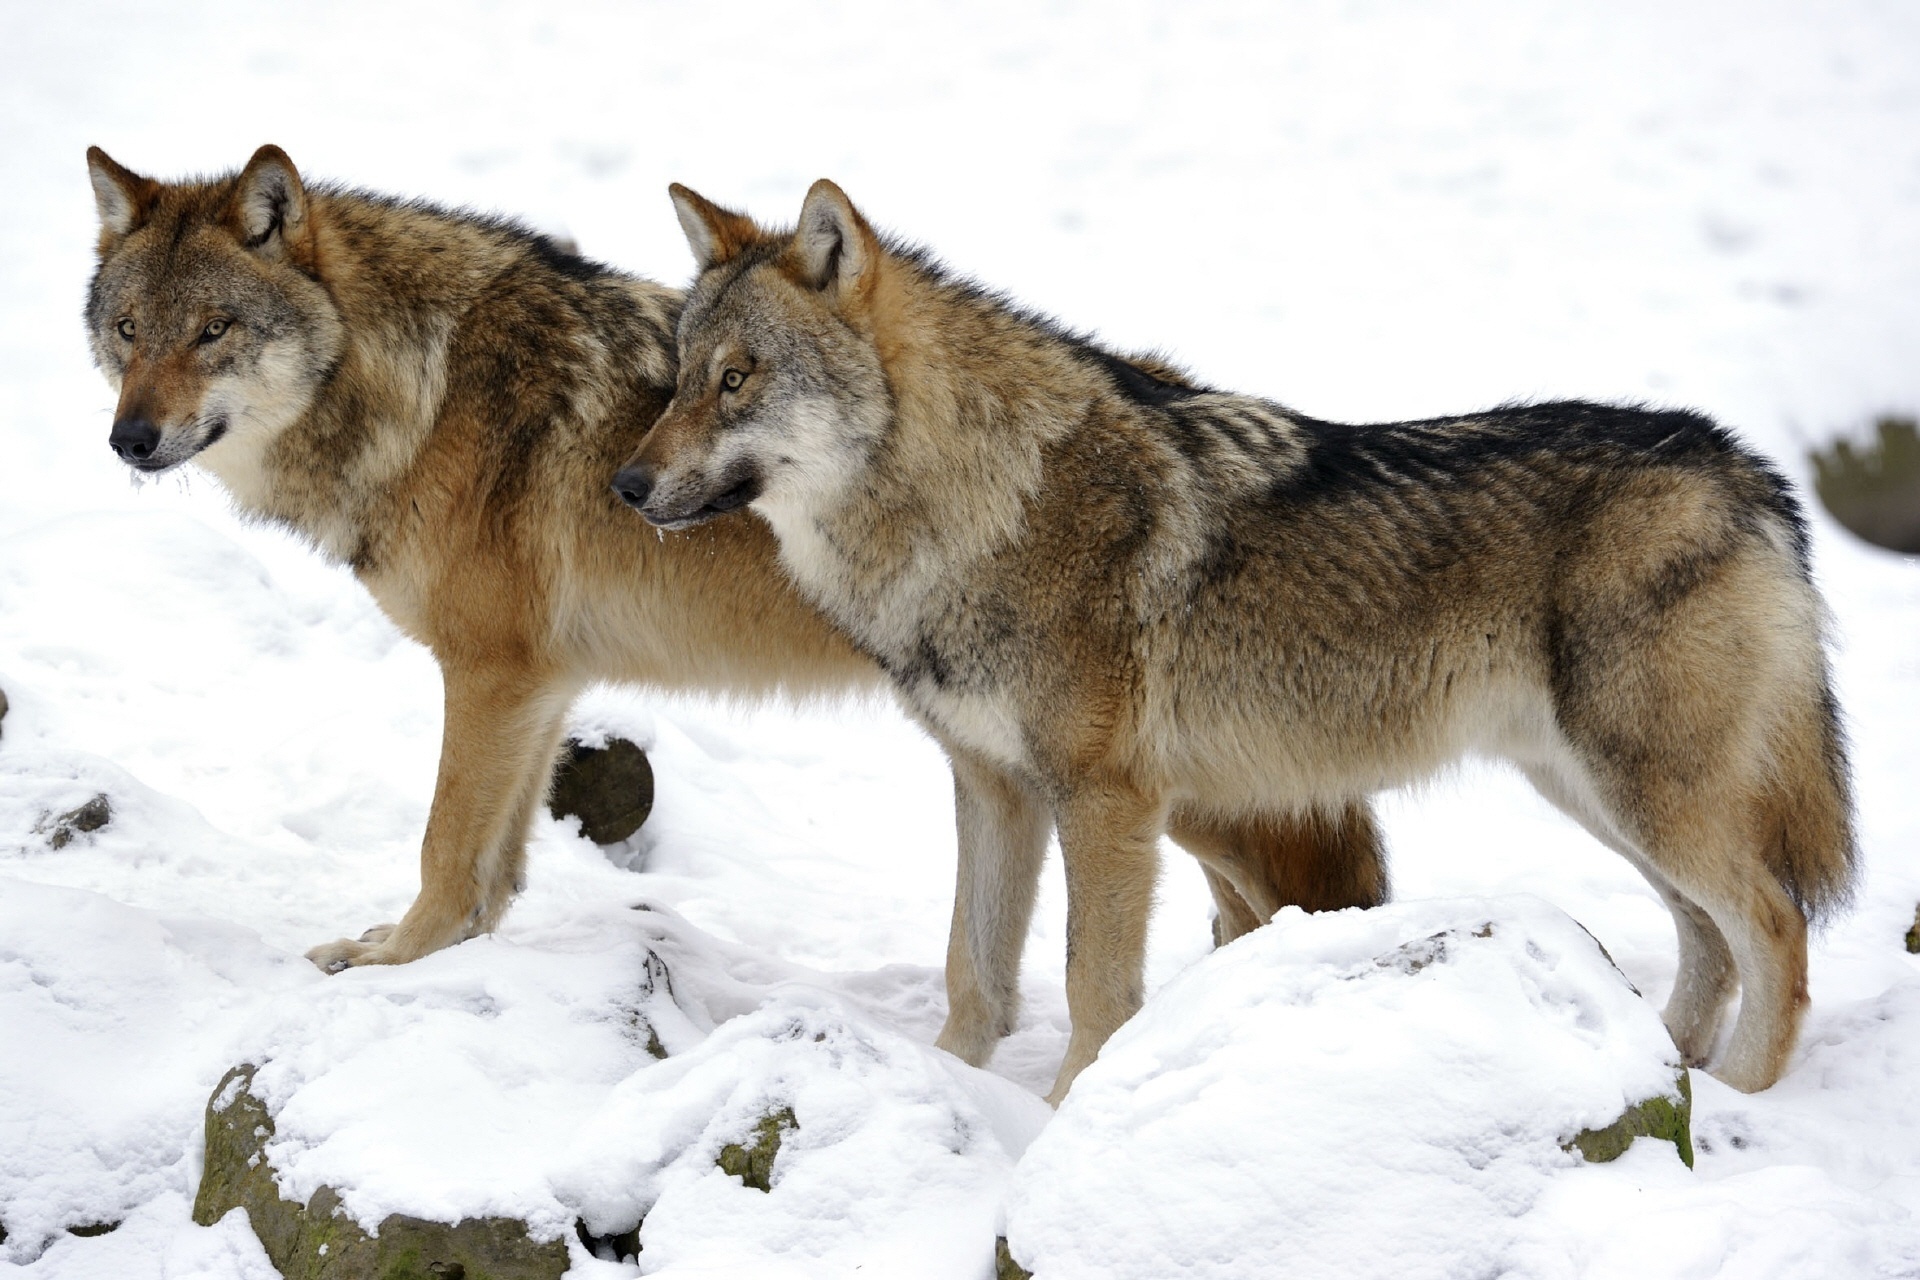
column 1668, row 1118
column 1004, row 1267
column 752, row 1162
column 315, row 1241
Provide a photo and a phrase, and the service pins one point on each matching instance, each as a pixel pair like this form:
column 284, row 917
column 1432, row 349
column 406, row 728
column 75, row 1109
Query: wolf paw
column 345, row 953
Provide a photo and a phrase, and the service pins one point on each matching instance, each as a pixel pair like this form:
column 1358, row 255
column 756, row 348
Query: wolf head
column 207, row 311
column 781, row 397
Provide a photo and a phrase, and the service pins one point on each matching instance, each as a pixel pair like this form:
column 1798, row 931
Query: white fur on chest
column 888, row 621
column 986, row 724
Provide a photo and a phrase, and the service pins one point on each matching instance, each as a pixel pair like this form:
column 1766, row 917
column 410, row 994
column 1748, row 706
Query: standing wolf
column 437, row 400
column 1110, row 594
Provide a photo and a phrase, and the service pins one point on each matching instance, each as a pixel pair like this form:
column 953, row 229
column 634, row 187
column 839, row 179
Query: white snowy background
column 1365, row 210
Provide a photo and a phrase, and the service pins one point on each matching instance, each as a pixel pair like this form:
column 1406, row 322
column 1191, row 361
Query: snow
column 1394, row 1086
column 1363, row 210
column 1394, row 1089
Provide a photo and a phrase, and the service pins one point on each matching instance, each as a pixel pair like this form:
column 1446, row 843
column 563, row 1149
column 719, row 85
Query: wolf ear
column 269, row 209
column 713, row 233
column 833, row 245
column 124, row 197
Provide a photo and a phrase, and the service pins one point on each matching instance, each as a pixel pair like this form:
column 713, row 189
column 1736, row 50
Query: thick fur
column 439, row 400
column 1110, row 592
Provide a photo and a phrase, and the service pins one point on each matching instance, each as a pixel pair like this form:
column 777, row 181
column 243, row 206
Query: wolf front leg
column 497, row 749
column 1002, row 829
column 1110, row 842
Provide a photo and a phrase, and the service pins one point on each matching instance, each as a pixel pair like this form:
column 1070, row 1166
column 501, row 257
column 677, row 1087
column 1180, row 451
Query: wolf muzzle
column 637, row 485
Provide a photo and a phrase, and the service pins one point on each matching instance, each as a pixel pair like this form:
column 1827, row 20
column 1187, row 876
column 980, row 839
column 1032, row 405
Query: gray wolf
column 437, row 399
column 1111, row 594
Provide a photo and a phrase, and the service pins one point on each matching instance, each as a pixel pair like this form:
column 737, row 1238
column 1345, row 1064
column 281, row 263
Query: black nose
column 134, row 438
column 634, row 484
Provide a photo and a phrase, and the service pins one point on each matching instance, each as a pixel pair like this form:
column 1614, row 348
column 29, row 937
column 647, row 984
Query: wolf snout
column 634, row 484
column 134, row 438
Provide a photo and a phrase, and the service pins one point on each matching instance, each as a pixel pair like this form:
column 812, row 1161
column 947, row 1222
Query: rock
column 89, row 817
column 1004, row 1267
column 3, row 719
column 93, row 1229
column 1669, row 1119
column 1913, row 934
column 1875, row 492
column 753, row 1164
column 621, row 1246
column 610, row 788
column 315, row 1241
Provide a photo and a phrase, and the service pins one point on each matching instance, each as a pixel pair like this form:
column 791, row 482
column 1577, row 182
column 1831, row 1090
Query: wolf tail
column 1807, row 803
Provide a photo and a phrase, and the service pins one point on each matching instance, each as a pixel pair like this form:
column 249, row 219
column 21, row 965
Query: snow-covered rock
column 1383, row 1093
column 514, row 1093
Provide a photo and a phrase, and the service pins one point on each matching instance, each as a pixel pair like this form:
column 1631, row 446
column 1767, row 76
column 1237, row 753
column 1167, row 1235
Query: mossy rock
column 1004, row 1267
column 610, row 788
column 1668, row 1118
column 1913, row 934
column 1875, row 491
column 752, row 1162
column 316, row 1241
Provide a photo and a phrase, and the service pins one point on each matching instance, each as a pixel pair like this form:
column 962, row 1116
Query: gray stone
column 316, row 1241
column 610, row 789
column 89, row 817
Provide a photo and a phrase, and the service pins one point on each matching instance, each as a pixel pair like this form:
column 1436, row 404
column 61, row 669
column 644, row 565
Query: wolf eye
column 732, row 379
column 125, row 327
column 214, row 329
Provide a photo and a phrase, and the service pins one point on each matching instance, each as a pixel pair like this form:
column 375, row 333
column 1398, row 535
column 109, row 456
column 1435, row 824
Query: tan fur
column 1110, row 592
column 440, row 400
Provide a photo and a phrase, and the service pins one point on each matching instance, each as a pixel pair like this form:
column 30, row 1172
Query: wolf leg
column 1110, row 841
column 1233, row 917
column 497, row 740
column 1720, row 867
column 1257, row 863
column 1696, row 835
column 1002, row 830
column 1704, row 981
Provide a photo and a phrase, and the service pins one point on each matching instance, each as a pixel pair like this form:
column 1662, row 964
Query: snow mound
column 1359, row 1094
column 108, row 1016
column 594, row 1071
column 889, row 1147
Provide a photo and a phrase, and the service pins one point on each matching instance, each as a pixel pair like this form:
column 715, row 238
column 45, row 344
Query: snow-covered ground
column 1363, row 209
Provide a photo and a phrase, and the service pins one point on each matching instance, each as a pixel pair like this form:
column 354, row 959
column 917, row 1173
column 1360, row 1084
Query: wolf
column 437, row 400
column 1111, row 594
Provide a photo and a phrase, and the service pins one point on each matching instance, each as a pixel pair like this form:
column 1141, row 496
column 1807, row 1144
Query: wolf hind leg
column 1322, row 859
column 1002, row 828
column 1702, row 833
column 1704, row 980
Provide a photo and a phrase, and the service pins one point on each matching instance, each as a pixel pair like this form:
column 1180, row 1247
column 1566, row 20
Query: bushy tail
column 1809, row 805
